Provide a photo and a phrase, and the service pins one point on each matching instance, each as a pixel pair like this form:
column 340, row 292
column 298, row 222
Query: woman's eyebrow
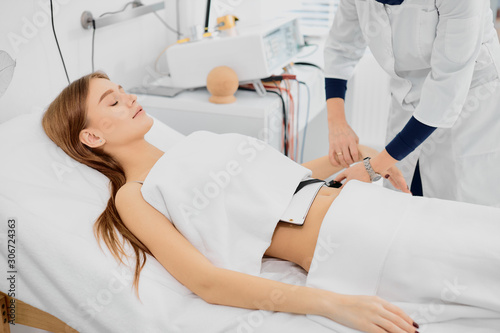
column 109, row 91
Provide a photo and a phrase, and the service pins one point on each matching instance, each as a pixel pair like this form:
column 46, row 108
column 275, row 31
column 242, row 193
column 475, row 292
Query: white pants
column 461, row 163
column 438, row 260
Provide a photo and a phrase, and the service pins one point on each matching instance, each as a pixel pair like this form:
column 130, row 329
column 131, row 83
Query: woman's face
column 114, row 118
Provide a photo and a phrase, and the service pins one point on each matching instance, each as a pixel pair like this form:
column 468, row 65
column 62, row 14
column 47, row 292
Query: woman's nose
column 132, row 98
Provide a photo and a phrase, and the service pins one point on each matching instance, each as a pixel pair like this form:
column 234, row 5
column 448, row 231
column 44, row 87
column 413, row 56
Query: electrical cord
column 168, row 27
column 93, row 39
column 316, row 47
column 103, row 14
column 178, row 15
column 284, row 114
column 57, row 42
column 307, row 64
column 285, row 118
column 121, row 10
column 158, row 59
column 285, row 121
column 297, row 123
column 307, row 121
column 291, row 121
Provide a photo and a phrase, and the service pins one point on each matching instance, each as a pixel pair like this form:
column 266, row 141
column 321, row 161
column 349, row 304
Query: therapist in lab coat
column 443, row 57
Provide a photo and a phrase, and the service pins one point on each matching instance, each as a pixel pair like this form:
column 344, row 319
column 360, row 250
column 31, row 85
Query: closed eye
column 114, row 103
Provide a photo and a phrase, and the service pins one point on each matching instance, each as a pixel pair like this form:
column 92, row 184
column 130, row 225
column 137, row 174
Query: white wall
column 125, row 51
column 193, row 12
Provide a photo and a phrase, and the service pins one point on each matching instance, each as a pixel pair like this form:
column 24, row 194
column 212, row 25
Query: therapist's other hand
column 358, row 172
column 395, row 176
column 371, row 314
column 343, row 149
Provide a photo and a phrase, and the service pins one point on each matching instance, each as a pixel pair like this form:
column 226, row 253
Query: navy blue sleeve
column 412, row 135
column 335, row 88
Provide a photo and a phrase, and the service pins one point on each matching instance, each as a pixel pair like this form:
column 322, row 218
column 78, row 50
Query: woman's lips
column 140, row 110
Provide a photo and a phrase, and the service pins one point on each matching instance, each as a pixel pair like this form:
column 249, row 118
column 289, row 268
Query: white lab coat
column 443, row 57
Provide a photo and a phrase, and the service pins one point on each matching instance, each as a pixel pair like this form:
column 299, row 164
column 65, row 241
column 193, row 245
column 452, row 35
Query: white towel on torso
column 225, row 193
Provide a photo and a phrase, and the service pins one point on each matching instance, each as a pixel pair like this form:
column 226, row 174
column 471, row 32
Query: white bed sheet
column 60, row 269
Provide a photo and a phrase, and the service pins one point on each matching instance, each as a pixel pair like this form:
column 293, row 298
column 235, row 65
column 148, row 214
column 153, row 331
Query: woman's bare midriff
column 297, row 243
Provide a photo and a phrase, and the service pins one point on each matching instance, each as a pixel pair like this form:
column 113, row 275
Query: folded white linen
column 438, row 260
column 225, row 193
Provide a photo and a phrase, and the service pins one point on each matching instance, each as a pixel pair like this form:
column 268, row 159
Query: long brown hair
column 64, row 119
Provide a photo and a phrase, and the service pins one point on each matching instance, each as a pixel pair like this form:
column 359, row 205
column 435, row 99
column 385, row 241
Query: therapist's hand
column 395, row 176
column 358, row 172
column 343, row 149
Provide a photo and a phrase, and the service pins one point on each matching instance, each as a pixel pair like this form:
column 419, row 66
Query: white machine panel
column 256, row 52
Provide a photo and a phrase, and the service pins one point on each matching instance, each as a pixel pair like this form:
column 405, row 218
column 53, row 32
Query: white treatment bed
column 60, row 269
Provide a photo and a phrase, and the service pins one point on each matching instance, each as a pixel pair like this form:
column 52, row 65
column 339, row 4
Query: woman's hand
column 343, row 149
column 370, row 314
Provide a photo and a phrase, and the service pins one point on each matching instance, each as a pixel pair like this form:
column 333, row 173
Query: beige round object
column 222, row 83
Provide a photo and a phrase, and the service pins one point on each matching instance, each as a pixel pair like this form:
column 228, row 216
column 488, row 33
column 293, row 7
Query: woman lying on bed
column 98, row 124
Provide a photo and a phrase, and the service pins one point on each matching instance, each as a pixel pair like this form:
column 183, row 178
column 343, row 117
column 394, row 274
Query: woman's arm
column 221, row 286
column 215, row 285
column 322, row 168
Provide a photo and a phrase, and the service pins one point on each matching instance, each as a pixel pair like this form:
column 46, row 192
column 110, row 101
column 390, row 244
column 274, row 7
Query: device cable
column 103, row 14
column 57, row 42
column 316, row 47
column 283, row 109
column 138, row 3
column 166, row 25
column 304, row 63
column 297, row 122
column 121, row 10
column 293, row 120
column 93, row 40
column 177, row 13
column 207, row 15
column 307, row 120
column 285, row 136
column 288, row 106
column 286, row 119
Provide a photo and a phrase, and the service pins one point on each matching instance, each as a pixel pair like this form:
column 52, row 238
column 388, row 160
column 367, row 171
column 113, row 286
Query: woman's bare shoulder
column 129, row 200
column 127, row 191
